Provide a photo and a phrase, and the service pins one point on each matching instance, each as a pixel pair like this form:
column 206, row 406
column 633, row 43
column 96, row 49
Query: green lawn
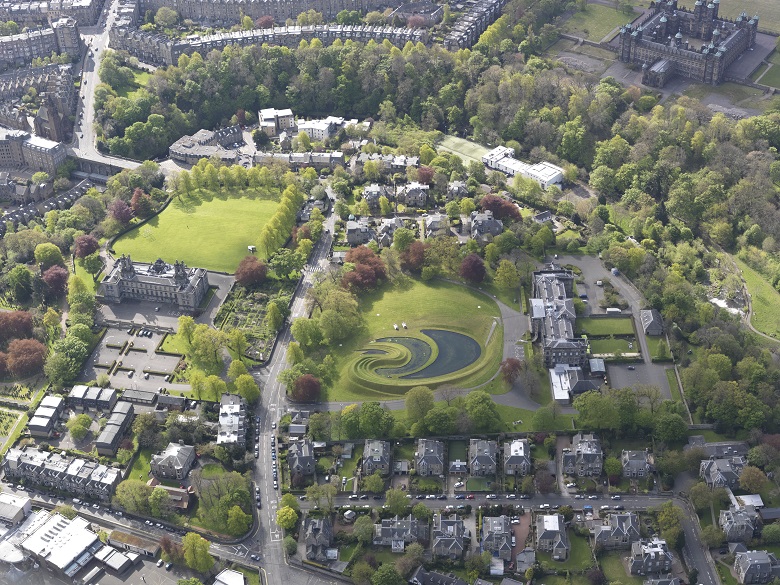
column 654, row 343
column 596, row 22
column 613, row 569
column 252, row 577
column 510, row 414
column 466, row 149
column 605, row 346
column 348, row 470
column 767, row 10
column 345, row 552
column 404, row 451
column 725, row 574
column 141, row 466
column 737, row 94
column 574, row 579
column 458, row 450
column 202, row 231
column 606, row 326
column 212, row 470
column 86, row 277
column 140, row 79
column 772, row 77
column 765, row 301
column 673, row 385
column 431, row 305
column 481, row 484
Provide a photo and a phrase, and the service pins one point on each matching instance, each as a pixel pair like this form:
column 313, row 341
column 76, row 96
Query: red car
column 470, row 497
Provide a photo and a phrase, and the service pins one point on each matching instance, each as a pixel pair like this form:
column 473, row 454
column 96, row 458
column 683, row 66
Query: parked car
column 593, row 497
column 470, row 497
column 460, row 497
column 616, row 497
column 459, row 484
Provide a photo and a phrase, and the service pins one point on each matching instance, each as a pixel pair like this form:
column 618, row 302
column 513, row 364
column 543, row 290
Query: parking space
column 620, row 376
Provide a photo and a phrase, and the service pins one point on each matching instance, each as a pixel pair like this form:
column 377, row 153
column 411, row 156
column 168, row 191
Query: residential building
column 423, row 577
column 301, row 160
column 321, row 130
column 207, row 144
column 756, row 566
column 450, row 537
column 317, row 534
column 144, row 397
column 458, row 467
column 376, row 457
column 585, row 458
column 650, row 557
column 483, row 454
column 359, row 232
column 429, row 458
column 551, row 536
column 232, row 420
column 652, row 322
column 92, row 397
column 456, row 190
column 108, row 440
column 617, row 531
column 436, row 224
column 178, row 497
column 502, row 159
column 300, row 457
column 739, row 525
column 553, row 318
column 717, row 449
column 712, row 43
column 273, row 121
column 372, row 193
column 636, row 463
column 60, row 545
column 414, row 195
column 46, row 417
column 14, row 509
column 167, row 403
column 19, row 149
column 159, row 282
column 517, row 457
column 484, row 225
column 398, row 532
column 663, row 581
column 72, row 475
column 524, row 560
column 566, row 382
column 497, row 536
column 543, row 217
column 229, row 577
column 30, row 12
column 722, row 472
column 386, row 231
column 467, row 30
column 174, row 462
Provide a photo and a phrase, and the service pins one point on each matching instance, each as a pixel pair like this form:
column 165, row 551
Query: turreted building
column 697, row 44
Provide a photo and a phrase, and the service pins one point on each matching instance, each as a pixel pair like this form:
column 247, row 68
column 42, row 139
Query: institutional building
column 206, row 144
column 502, row 159
column 697, row 44
column 20, row 149
column 159, row 282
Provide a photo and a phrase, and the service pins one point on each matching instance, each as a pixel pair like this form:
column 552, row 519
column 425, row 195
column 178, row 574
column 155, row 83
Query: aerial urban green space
column 203, row 231
column 437, row 306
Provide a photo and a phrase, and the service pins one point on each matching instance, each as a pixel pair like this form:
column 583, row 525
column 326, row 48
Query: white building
column 320, row 130
column 14, row 509
column 62, row 546
column 502, row 159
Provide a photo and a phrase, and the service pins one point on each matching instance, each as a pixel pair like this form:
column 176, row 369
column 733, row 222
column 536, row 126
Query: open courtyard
column 453, row 335
column 202, row 230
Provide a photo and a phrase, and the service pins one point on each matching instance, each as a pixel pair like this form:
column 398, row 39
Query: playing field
column 422, row 306
column 210, row 233
column 596, row 22
column 764, row 299
column 606, row 326
column 469, row 151
column 768, row 11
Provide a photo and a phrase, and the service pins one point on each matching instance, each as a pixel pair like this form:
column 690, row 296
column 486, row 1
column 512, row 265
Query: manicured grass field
column 604, row 346
column 458, row 450
column 431, row 305
column 737, row 94
column 596, row 21
column 613, row 569
column 675, row 389
column 86, row 277
column 606, row 326
column 466, row 149
column 140, row 79
column 212, row 470
column 141, row 466
column 202, row 231
column 765, row 301
column 654, row 343
column 767, row 10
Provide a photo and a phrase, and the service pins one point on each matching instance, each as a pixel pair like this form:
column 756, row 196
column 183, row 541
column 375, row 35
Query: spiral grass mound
column 454, row 336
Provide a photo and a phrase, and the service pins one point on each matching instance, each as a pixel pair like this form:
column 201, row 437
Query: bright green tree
column 286, row 517
column 196, row 553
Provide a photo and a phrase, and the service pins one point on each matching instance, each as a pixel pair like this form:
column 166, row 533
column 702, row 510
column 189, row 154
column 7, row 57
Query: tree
column 247, row 388
column 472, row 269
column 236, row 369
column 78, row 426
column 141, row 204
column 25, row 357
column 238, row 342
column 402, row 238
column 396, row 501
column 189, row 581
column 66, row 511
column 362, row 573
column 85, row 245
column 375, row 420
column 65, row 362
column 752, row 479
column 421, row 511
column 363, row 529
column 387, row 575
column 613, row 468
column 196, row 553
column 291, row 501
column 56, row 279
column 507, row 275
column 19, row 282
column 238, row 522
column 206, row 344
column 133, row 496
column 93, row 264
column 712, row 536
column 165, row 17
column 273, row 317
column 413, row 554
column 286, row 517
column 48, row 255
column 700, row 496
column 159, row 503
column 511, row 369
column 419, row 402
column 251, row 272
column 120, row 211
column 770, row 534
column 186, row 328
column 287, row 261
column 306, row 388
column 374, row 483
column 482, row 411
column 290, row 545
column 146, row 429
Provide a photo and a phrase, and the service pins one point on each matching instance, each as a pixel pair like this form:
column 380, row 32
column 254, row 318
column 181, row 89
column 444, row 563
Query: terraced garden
column 453, row 335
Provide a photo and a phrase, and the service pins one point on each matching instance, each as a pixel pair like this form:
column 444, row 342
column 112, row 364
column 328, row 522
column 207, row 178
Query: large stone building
column 696, row 44
column 232, row 420
column 206, row 144
column 20, row 49
column 32, row 12
column 159, row 282
column 19, row 149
